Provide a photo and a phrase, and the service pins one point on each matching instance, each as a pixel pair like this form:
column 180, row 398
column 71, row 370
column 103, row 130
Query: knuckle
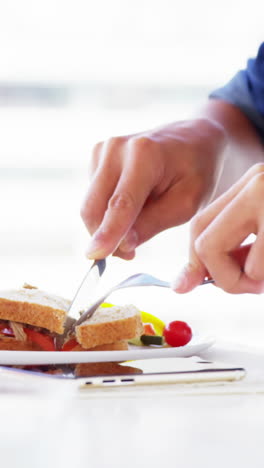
column 257, row 168
column 113, row 143
column 141, row 145
column 197, row 224
column 256, row 186
column 253, row 272
column 202, row 248
column 122, row 201
column 97, row 148
column 85, row 212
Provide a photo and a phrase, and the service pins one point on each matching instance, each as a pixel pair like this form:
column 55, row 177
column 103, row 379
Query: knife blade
column 82, row 298
column 87, row 288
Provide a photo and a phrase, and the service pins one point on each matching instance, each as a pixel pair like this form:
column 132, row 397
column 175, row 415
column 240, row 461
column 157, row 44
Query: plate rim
column 76, row 357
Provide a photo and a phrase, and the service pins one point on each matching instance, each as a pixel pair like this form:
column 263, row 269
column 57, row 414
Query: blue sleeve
column 246, row 91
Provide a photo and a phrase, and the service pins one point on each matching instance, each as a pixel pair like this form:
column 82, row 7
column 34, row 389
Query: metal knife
column 82, row 298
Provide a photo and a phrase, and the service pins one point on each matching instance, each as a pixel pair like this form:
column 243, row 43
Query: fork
column 143, row 279
column 140, row 279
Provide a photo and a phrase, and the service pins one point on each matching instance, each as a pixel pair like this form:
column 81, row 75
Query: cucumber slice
column 152, row 340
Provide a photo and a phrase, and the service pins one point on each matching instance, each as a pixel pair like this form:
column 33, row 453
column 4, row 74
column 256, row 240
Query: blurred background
column 76, row 72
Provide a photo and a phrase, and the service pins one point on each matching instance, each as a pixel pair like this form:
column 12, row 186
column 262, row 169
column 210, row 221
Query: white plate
column 196, row 345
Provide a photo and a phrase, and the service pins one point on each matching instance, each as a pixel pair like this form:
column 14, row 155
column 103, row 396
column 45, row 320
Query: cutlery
column 144, row 279
column 140, row 279
column 82, row 297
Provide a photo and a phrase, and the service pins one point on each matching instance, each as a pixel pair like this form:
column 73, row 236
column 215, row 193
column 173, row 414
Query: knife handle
column 240, row 255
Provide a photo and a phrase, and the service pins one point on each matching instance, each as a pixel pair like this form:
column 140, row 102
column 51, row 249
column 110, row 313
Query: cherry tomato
column 44, row 341
column 177, row 333
column 148, row 329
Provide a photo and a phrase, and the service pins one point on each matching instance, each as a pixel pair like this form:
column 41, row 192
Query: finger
column 228, row 230
column 94, row 160
column 219, row 204
column 124, row 255
column 174, row 207
column 102, row 185
column 254, row 266
column 194, row 272
column 133, row 188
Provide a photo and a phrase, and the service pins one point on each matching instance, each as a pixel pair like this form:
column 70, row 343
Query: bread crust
column 33, row 314
column 90, row 335
column 11, row 344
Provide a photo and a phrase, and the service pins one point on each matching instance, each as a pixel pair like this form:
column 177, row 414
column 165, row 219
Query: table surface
column 151, row 426
column 199, row 426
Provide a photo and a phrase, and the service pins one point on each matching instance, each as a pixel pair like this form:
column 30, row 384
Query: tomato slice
column 69, row 345
column 7, row 331
column 148, row 329
column 44, row 341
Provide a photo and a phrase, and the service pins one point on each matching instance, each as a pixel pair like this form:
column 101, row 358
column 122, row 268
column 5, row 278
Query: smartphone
column 157, row 371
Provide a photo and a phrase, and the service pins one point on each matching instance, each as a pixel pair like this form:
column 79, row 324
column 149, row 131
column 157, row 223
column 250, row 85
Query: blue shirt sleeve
column 246, row 91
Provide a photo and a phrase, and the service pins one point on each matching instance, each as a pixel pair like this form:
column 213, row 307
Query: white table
column 144, row 427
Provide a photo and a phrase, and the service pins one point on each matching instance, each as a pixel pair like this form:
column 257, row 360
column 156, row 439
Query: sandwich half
column 110, row 325
column 109, row 329
column 30, row 319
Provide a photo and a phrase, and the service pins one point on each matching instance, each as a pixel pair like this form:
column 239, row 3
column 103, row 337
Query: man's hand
column 222, row 227
column 145, row 183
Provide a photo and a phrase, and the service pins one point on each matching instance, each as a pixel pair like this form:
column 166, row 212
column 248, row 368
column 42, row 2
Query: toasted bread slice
column 11, row 344
column 108, row 325
column 34, row 307
column 103, row 368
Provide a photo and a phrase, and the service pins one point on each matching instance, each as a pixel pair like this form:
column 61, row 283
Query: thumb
column 192, row 275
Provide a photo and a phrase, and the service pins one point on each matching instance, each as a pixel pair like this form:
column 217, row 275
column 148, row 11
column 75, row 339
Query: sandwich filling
column 42, row 338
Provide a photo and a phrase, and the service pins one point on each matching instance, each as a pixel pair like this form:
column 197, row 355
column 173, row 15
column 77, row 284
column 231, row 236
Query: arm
column 227, row 222
column 244, row 144
column 240, row 110
column 145, row 183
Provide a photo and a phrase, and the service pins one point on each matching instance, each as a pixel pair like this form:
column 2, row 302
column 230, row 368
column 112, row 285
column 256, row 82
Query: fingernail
column 92, row 253
column 95, row 249
column 130, row 242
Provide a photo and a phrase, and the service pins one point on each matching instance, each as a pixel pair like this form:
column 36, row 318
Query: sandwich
column 109, row 328
column 34, row 320
column 31, row 319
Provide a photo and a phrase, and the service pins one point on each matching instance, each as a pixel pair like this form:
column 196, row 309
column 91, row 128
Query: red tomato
column 44, row 341
column 148, row 329
column 177, row 333
column 69, row 345
column 7, row 331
